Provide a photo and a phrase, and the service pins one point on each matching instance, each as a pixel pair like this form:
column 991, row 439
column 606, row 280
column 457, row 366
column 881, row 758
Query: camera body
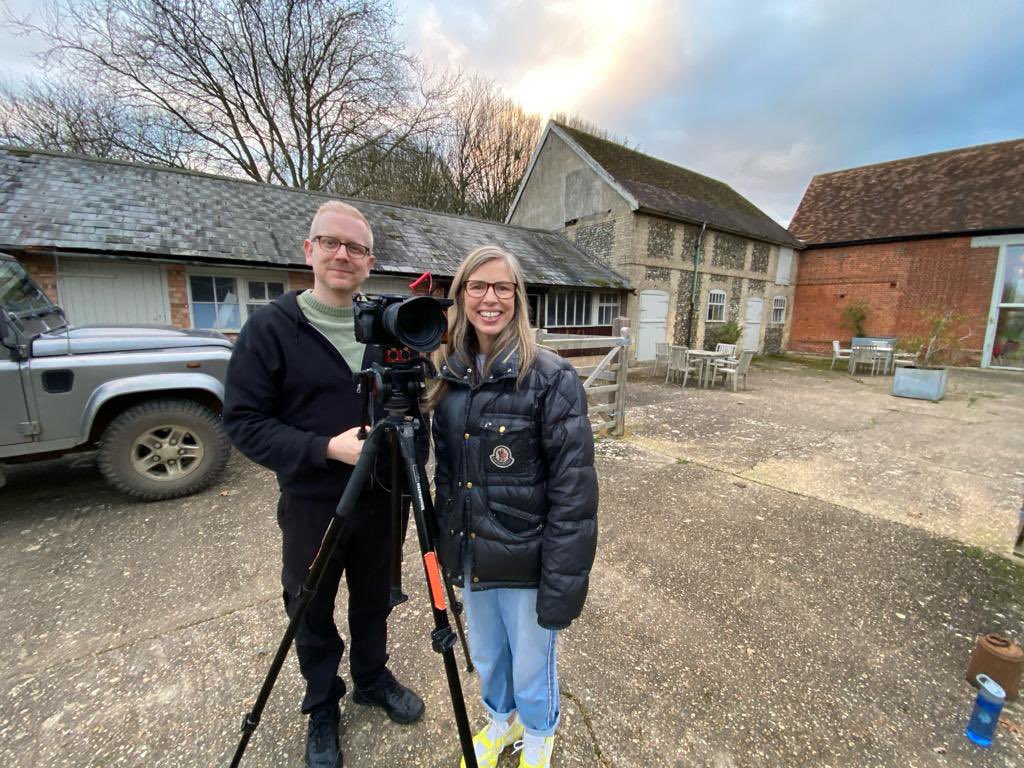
column 392, row 320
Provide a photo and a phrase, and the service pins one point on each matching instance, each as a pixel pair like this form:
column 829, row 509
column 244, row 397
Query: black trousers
column 362, row 554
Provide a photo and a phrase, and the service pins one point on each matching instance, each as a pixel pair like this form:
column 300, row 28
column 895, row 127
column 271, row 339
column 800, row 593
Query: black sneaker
column 402, row 705
column 323, row 749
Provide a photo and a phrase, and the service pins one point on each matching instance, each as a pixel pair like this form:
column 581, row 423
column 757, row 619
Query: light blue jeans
column 514, row 656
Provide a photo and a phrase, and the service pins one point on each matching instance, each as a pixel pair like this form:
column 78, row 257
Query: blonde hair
column 462, row 343
column 337, row 206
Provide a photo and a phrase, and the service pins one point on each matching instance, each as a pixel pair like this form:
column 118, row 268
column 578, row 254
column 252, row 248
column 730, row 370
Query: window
column 215, row 302
column 261, row 293
column 783, row 272
column 779, row 309
column 568, row 308
column 716, row 306
column 607, row 308
column 223, row 302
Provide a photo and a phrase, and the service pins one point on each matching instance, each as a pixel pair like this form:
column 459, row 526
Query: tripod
column 400, row 429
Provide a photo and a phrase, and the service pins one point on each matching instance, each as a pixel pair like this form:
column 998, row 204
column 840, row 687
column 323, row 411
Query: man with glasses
column 291, row 405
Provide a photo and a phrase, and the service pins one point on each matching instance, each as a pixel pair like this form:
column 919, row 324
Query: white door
column 752, row 323
column 653, row 311
column 113, row 292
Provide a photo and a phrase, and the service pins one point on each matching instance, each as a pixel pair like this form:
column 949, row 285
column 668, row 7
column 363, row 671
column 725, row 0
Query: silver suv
column 148, row 398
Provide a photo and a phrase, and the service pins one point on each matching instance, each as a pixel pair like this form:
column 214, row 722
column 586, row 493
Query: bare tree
column 486, row 145
column 470, row 164
column 70, row 118
column 287, row 91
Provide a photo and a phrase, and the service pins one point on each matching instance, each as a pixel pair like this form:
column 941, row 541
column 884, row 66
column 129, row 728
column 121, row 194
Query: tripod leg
column 397, row 525
column 457, row 607
column 442, row 636
column 433, row 534
column 357, row 482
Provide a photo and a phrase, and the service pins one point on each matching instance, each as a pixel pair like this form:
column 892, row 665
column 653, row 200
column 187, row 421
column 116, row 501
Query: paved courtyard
column 790, row 575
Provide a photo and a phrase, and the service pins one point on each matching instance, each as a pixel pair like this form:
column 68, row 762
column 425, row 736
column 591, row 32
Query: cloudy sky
column 761, row 94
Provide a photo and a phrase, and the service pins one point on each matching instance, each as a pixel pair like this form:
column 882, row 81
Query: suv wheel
column 162, row 449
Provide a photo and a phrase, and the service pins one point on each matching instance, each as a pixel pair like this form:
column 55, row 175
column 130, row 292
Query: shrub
column 728, row 333
column 941, row 343
column 854, row 316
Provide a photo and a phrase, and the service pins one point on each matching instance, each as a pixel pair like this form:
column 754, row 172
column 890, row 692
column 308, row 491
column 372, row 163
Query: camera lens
column 418, row 323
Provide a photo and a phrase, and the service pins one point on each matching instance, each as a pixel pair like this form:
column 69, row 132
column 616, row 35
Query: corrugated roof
column 660, row 187
column 78, row 203
column 971, row 190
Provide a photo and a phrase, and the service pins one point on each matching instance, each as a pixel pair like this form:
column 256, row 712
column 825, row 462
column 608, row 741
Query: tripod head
column 398, row 383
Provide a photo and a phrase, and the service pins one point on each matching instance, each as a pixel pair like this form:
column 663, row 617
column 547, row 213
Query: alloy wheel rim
column 167, row 453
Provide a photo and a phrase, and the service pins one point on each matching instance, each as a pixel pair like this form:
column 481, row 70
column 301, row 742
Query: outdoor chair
column 736, row 370
column 864, row 355
column 729, row 349
column 660, row 354
column 903, row 359
column 838, row 353
column 679, row 362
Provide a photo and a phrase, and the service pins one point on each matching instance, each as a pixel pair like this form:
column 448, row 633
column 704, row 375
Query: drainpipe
column 693, row 284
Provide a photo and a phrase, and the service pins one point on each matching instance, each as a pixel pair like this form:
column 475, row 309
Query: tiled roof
column 972, row 190
column 660, row 187
column 77, row 203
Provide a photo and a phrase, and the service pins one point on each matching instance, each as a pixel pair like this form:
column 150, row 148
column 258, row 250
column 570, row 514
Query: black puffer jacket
column 516, row 483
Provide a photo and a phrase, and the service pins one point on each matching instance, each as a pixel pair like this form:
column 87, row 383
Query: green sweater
column 337, row 324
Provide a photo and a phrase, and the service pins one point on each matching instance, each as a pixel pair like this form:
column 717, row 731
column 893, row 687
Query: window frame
column 608, row 300
column 241, row 278
column 713, row 305
column 777, row 307
column 266, row 297
column 565, row 300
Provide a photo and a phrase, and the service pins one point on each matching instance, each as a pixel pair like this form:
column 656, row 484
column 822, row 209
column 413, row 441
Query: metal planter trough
column 920, row 383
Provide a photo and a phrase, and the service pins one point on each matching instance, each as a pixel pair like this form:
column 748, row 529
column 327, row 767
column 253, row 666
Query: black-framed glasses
column 332, row 244
column 478, row 289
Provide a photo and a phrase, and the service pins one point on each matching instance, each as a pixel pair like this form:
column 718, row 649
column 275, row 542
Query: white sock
column 498, row 727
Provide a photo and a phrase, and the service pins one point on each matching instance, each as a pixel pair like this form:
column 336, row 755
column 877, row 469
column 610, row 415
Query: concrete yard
column 792, row 575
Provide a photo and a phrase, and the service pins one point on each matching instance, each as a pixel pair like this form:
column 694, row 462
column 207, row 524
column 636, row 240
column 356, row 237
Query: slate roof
column 76, row 203
column 963, row 191
column 662, row 188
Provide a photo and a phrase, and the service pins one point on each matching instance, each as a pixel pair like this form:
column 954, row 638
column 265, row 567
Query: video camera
column 390, row 320
column 403, row 326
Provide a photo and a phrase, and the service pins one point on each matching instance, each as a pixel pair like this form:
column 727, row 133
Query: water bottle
column 985, row 717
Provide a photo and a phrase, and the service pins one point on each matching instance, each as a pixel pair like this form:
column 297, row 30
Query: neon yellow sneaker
column 492, row 741
column 536, row 751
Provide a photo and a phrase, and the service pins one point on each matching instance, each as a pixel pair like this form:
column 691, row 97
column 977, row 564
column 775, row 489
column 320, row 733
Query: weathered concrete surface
column 955, row 467
column 737, row 617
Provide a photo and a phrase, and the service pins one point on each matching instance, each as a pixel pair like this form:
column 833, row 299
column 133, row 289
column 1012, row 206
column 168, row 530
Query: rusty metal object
column 1001, row 659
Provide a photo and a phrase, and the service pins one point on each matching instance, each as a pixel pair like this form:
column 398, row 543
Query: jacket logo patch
column 502, row 457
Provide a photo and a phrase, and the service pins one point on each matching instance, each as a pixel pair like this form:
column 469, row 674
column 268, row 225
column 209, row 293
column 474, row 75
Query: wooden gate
column 604, row 383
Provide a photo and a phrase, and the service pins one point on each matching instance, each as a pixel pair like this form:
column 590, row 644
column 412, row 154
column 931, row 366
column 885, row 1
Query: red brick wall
column 300, row 280
column 177, row 290
column 898, row 280
column 42, row 269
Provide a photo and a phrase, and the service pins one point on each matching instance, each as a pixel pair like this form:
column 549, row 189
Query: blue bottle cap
column 994, row 690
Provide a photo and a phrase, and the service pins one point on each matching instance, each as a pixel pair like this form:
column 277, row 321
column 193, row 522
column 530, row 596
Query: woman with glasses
column 516, row 500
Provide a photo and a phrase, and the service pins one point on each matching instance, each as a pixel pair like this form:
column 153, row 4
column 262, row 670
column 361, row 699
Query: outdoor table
column 706, row 358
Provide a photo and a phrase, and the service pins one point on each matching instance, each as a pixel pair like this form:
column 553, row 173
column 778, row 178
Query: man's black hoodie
column 288, row 392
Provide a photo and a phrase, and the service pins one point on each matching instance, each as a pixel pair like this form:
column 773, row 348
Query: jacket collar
column 504, row 366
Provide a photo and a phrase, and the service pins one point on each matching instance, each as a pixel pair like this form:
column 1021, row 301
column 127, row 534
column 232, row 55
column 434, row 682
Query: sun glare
column 568, row 79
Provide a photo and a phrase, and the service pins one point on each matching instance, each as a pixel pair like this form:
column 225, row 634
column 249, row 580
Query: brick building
column 912, row 236
column 125, row 243
column 697, row 253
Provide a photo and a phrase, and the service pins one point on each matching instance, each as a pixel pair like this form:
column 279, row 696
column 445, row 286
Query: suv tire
column 162, row 449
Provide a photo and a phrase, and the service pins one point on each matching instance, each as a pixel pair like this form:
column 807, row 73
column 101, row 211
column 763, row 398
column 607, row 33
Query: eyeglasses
column 478, row 289
column 332, row 244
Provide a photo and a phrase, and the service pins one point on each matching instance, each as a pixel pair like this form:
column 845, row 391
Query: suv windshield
column 17, row 291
